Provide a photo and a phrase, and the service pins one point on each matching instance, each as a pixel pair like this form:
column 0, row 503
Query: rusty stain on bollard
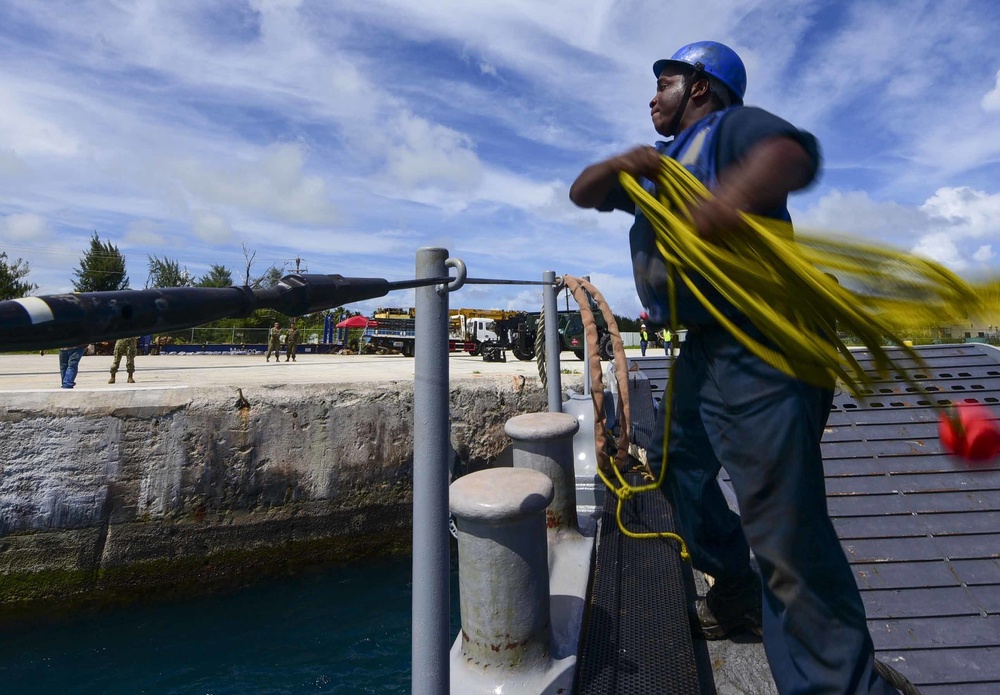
column 544, row 442
column 503, row 568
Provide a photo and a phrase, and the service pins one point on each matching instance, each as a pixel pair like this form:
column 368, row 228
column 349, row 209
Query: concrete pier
column 220, row 473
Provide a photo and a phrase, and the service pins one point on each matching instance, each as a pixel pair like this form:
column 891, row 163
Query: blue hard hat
column 715, row 59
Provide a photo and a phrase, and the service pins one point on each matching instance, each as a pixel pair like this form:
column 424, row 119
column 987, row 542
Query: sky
column 349, row 133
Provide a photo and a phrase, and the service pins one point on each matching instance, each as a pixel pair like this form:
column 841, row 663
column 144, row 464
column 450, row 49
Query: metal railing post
column 550, row 296
column 431, row 562
column 586, row 356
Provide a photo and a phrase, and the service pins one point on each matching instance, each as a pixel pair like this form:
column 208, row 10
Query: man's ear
column 701, row 87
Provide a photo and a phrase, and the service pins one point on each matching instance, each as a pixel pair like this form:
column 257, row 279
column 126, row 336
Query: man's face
column 669, row 93
column 276, row 325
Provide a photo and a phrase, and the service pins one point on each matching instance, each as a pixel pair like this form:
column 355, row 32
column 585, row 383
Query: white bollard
column 503, row 569
column 544, row 442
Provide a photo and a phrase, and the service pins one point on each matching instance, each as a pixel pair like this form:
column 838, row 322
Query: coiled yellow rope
column 798, row 291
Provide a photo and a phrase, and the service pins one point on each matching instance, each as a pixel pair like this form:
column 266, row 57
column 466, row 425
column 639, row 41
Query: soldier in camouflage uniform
column 291, row 342
column 124, row 347
column 274, row 344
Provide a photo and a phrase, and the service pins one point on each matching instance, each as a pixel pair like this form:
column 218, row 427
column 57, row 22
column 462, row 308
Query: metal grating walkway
column 637, row 639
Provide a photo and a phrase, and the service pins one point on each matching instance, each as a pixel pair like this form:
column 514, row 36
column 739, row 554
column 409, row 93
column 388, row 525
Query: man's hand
column 761, row 181
column 640, row 161
column 718, row 214
column 596, row 181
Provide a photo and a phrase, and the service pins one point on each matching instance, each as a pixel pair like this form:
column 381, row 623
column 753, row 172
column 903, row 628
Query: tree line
column 102, row 269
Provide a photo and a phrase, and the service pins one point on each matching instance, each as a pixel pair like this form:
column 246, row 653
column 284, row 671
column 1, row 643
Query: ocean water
column 341, row 630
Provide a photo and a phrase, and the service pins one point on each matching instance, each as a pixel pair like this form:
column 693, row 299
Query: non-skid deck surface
column 921, row 530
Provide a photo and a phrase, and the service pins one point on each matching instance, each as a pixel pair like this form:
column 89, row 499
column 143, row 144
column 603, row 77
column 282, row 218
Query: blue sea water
column 342, row 630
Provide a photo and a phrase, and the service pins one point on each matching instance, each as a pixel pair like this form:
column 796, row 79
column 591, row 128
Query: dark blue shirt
column 731, row 134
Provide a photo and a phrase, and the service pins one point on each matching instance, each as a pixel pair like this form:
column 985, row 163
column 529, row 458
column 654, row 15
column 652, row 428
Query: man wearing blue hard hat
column 732, row 409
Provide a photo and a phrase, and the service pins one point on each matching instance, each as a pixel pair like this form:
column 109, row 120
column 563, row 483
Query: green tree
column 12, row 283
column 102, row 268
column 166, row 272
column 271, row 277
column 217, row 276
column 339, row 313
column 626, row 324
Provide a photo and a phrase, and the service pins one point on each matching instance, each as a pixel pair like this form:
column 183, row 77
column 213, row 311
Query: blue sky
column 349, row 133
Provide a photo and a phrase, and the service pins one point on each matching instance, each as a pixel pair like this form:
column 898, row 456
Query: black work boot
column 730, row 608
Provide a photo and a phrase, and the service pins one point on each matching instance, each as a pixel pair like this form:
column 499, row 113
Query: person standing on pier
column 666, row 337
column 732, row 409
column 124, row 347
column 274, row 343
column 291, row 342
column 69, row 364
column 643, row 339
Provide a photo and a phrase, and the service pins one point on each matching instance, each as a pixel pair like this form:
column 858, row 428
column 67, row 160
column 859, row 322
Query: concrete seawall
column 113, row 495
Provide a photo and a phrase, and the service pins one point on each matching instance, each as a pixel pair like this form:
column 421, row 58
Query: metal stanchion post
column 549, row 305
column 586, row 357
column 431, row 562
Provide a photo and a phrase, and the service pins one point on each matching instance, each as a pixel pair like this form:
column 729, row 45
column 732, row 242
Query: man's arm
column 760, row 181
column 595, row 182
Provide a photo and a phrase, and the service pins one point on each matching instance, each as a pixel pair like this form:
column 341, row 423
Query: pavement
column 32, row 372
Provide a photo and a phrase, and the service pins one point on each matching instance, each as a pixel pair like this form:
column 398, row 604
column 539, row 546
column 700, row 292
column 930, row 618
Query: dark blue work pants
column 69, row 363
column 731, row 408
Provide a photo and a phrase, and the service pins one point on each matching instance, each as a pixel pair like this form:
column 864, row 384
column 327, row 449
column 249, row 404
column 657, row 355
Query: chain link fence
column 240, row 336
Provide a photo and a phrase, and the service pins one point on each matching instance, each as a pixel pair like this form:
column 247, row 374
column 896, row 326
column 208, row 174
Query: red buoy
column 970, row 433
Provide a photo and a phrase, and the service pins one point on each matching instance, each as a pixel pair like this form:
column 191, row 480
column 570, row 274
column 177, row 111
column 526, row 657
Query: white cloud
column 619, row 292
column 500, row 186
column 273, row 183
column 24, row 227
column 856, row 213
column 145, row 233
column 942, row 228
column 991, row 100
column 211, row 228
column 432, row 155
column 960, row 217
column 29, row 124
column 969, row 212
column 983, row 254
column 941, row 247
column 10, row 163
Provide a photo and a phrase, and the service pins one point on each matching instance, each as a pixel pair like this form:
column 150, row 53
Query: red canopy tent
column 356, row 322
